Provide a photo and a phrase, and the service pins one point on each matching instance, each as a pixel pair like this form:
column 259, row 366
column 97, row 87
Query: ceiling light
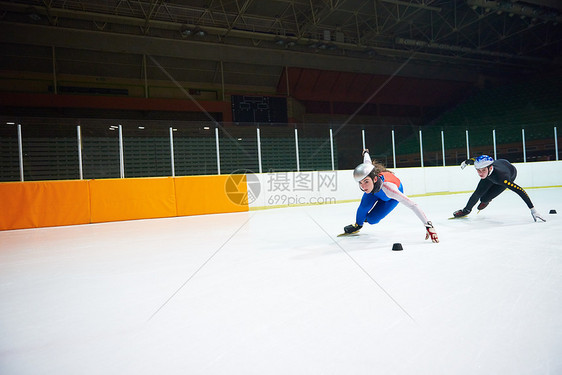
column 186, row 31
column 33, row 14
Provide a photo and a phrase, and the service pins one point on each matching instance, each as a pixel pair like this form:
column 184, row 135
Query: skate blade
column 347, row 234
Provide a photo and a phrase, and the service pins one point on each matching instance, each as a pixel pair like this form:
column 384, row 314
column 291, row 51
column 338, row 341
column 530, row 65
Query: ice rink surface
column 276, row 292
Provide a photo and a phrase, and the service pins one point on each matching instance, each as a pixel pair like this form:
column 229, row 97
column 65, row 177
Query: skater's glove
column 467, row 162
column 365, row 151
column 431, row 232
column 349, row 229
column 536, row 215
column 461, row 213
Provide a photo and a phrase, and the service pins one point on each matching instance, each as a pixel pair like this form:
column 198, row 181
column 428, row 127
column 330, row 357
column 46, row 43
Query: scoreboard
column 262, row 109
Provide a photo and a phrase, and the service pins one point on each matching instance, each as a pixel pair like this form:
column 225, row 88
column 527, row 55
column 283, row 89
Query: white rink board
column 280, row 189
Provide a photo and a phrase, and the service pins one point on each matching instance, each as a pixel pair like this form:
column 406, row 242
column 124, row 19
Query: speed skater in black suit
column 495, row 177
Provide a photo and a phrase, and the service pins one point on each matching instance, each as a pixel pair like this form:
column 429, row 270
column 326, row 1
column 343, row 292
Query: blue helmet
column 483, row 161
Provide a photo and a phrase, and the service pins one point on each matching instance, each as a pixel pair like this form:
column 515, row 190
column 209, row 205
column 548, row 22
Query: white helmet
column 362, row 171
column 483, row 161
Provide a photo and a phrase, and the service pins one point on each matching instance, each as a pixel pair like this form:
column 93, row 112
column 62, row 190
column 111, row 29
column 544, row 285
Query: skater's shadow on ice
column 338, row 245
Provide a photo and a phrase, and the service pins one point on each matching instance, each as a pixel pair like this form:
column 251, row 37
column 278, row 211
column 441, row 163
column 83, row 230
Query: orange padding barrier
column 54, row 203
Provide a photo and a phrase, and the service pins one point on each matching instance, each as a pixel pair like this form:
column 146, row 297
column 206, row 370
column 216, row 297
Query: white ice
column 276, row 292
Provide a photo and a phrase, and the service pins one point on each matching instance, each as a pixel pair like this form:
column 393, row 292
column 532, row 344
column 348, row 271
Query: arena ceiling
column 255, row 42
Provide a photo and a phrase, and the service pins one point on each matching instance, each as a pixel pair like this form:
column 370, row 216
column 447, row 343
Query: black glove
column 349, row 229
column 467, row 162
column 461, row 213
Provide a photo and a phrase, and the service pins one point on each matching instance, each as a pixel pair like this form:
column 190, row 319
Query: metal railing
column 57, row 149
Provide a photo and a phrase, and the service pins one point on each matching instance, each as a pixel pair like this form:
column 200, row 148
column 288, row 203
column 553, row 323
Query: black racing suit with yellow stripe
column 501, row 177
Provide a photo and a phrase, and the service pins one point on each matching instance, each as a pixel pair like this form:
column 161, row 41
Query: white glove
column 536, row 214
column 431, row 232
column 467, row 162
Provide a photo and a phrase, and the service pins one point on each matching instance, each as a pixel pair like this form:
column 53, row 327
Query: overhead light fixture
column 186, row 31
column 413, row 4
column 449, row 47
column 523, row 10
column 322, row 45
column 283, row 41
column 33, row 14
